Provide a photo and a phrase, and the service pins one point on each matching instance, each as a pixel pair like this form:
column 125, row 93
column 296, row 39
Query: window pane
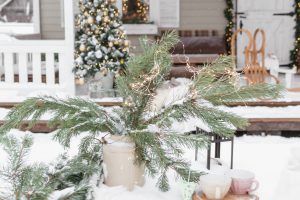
column 19, row 11
column 135, row 12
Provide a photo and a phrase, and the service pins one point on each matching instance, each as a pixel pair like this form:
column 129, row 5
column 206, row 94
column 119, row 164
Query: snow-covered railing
column 28, row 66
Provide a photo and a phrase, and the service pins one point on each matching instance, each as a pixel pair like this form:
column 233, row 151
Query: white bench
column 272, row 63
column 289, row 74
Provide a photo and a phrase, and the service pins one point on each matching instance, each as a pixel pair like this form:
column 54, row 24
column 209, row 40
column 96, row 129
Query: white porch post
column 66, row 76
column 154, row 14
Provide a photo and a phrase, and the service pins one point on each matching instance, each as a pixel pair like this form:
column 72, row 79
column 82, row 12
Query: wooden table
column 229, row 197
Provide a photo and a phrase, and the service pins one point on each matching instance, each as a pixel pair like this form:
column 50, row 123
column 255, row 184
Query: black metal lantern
column 215, row 138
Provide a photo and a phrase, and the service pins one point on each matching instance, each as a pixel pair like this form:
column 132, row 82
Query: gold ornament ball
column 79, row 81
column 110, row 44
column 105, row 13
column 86, row 13
column 82, row 48
column 112, row 1
column 122, row 61
column 91, row 20
column 104, row 71
column 106, row 19
column 126, row 43
column 116, row 42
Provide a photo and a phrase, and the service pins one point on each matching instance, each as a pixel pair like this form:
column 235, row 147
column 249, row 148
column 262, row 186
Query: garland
column 294, row 56
column 228, row 13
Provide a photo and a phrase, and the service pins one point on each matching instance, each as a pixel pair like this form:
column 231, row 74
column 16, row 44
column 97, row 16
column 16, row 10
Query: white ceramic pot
column 106, row 81
column 215, row 186
column 119, row 161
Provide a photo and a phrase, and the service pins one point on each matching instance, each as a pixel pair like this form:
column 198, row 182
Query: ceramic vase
column 119, row 164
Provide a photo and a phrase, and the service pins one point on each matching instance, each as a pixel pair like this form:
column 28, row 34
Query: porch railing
column 39, row 65
column 42, row 65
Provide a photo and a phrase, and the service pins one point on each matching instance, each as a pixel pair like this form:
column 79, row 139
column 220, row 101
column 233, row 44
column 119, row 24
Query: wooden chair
column 247, row 49
column 256, row 74
column 261, row 51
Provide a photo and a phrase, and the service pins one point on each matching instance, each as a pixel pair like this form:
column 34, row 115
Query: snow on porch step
column 12, row 102
column 194, row 58
column 40, row 127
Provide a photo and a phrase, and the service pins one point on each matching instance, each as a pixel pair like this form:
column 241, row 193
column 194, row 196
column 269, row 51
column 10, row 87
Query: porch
column 33, row 65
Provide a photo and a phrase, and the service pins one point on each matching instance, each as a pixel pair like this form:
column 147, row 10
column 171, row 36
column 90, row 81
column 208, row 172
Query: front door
column 274, row 17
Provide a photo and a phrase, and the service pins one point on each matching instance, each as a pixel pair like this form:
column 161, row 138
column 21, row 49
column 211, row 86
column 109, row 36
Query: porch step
column 272, row 125
column 265, row 103
column 9, row 105
column 179, row 69
column 193, row 59
column 271, row 104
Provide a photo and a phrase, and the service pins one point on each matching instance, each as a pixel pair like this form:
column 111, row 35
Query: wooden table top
column 230, row 197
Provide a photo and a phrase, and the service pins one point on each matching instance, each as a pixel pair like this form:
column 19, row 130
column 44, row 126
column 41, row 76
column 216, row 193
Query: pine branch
column 162, row 152
column 77, row 193
column 219, row 84
column 220, row 122
column 69, row 116
column 24, row 181
column 141, row 69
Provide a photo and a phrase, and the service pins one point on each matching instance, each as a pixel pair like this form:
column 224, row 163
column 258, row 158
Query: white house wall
column 202, row 15
column 51, row 23
column 194, row 15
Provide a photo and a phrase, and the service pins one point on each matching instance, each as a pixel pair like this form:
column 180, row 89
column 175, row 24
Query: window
column 135, row 11
column 19, row 16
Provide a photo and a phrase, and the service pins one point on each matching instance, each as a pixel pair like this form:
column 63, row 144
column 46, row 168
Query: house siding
column 51, row 27
column 194, row 15
column 135, row 43
column 202, row 15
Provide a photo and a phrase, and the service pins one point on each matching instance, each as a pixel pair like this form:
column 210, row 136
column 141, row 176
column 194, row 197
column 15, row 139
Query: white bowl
column 215, row 186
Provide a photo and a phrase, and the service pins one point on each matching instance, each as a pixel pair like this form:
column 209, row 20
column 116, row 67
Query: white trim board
column 141, row 29
column 13, row 28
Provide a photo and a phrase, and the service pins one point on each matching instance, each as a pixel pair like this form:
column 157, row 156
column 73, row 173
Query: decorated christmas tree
column 101, row 44
column 157, row 146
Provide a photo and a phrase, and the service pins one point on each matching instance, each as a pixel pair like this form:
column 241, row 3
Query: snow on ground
column 265, row 112
column 268, row 157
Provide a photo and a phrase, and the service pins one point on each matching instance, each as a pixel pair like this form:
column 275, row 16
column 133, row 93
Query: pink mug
column 243, row 182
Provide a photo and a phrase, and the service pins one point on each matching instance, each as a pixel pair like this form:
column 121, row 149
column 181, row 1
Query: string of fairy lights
column 294, row 56
column 228, row 13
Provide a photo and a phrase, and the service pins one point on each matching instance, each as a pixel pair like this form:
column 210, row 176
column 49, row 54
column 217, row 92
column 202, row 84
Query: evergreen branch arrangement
column 71, row 177
column 156, row 145
column 21, row 181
